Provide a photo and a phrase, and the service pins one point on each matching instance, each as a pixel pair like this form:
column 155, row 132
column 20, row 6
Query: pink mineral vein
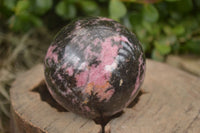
column 87, row 108
column 82, row 78
column 138, row 80
column 106, row 19
column 51, row 55
column 70, row 71
column 98, row 76
column 59, row 76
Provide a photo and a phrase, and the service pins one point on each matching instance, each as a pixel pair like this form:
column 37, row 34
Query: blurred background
column 169, row 31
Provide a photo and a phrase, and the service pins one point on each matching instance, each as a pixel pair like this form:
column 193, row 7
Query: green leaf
column 15, row 23
column 36, row 21
column 156, row 30
column 152, row 28
column 190, row 23
column 22, row 5
column 24, row 21
column 89, row 6
column 150, row 13
column 147, row 26
column 10, row 4
column 43, row 5
column 140, row 32
column 65, row 10
column 145, row 46
column 156, row 55
column 135, row 18
column 103, row 0
column 117, row 9
column 176, row 15
column 72, row 1
column 192, row 46
column 172, row 0
column 176, row 48
column 178, row 30
column 162, row 48
column 181, row 6
column 198, row 3
column 167, row 29
column 61, row 8
column 185, row 6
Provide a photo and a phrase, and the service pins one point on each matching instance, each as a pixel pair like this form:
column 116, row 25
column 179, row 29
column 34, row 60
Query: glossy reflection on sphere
column 94, row 67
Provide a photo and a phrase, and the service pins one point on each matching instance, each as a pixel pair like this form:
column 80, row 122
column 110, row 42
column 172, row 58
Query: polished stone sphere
column 94, row 67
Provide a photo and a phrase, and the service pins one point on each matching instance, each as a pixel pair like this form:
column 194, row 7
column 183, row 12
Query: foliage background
column 27, row 27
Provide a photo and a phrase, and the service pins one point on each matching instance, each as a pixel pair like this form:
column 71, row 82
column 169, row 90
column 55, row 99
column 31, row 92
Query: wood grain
column 32, row 115
column 171, row 103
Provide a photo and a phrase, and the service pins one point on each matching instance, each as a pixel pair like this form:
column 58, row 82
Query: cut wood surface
column 171, row 103
column 32, row 115
column 187, row 63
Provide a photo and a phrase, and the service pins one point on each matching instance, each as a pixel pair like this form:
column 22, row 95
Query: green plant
column 163, row 26
column 24, row 14
column 166, row 27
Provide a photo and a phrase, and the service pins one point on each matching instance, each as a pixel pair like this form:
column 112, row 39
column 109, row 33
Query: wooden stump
column 170, row 103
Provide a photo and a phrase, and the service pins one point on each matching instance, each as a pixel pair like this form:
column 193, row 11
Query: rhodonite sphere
column 94, row 67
